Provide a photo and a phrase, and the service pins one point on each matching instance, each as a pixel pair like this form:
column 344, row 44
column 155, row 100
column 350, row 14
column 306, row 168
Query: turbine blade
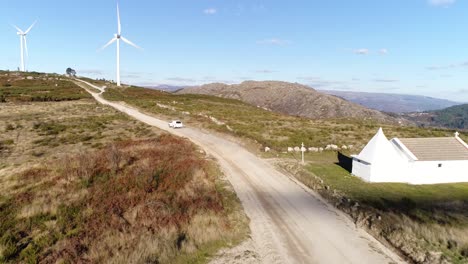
column 119, row 27
column 29, row 29
column 130, row 43
column 108, row 43
column 17, row 28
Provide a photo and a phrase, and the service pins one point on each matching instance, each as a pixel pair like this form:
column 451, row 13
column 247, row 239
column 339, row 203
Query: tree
column 71, row 72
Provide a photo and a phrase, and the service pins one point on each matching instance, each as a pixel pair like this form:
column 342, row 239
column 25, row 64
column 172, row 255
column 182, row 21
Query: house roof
column 379, row 149
column 431, row 149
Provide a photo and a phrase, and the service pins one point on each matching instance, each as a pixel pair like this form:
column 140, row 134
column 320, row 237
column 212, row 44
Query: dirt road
column 289, row 223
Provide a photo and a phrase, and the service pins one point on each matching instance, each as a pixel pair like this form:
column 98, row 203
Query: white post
column 22, row 53
column 118, row 61
column 302, row 150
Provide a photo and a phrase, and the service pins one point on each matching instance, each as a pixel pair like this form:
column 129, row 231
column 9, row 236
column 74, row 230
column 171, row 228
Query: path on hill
column 289, row 223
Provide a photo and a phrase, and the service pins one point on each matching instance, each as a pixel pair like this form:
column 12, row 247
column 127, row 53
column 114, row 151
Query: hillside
column 291, row 99
column 83, row 183
column 455, row 117
column 394, row 103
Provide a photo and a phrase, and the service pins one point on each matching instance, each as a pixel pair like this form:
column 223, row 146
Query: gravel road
column 289, row 223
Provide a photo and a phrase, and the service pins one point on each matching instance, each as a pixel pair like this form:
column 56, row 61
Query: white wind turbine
column 117, row 37
column 24, row 44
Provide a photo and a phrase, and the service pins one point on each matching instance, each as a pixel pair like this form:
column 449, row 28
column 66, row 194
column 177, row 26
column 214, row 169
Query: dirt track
column 289, row 223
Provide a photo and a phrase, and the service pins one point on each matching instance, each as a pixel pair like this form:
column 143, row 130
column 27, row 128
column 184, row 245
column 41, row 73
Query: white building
column 413, row 160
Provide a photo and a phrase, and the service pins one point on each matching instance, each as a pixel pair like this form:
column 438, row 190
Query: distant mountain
column 455, row 117
column 165, row 87
column 394, row 103
column 290, row 98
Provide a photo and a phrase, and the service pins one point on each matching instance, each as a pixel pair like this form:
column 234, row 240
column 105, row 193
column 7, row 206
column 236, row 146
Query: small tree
column 71, row 72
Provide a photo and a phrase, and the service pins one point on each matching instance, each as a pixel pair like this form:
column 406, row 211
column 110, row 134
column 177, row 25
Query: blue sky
column 396, row 46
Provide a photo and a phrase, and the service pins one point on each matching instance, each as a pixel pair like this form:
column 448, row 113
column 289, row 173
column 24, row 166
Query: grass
column 15, row 87
column 413, row 218
column 81, row 182
column 154, row 200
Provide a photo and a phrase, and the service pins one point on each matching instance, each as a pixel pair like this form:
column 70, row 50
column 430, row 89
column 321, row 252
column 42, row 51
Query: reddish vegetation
column 134, row 189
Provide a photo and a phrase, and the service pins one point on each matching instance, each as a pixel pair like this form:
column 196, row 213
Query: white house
column 413, row 160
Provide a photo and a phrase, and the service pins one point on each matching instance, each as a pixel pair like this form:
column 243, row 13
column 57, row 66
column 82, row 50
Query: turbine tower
column 117, row 37
column 23, row 43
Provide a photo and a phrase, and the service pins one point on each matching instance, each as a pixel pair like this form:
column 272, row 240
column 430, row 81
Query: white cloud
column 210, row 11
column 383, row 51
column 443, row 3
column 361, row 51
column 274, row 41
column 386, row 80
column 446, row 67
column 265, row 71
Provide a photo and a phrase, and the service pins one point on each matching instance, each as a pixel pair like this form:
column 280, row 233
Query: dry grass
column 80, row 182
column 131, row 202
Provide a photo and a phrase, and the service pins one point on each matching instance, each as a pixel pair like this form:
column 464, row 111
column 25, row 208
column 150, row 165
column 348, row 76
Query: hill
column 455, row 117
column 291, row 99
column 394, row 103
column 83, row 183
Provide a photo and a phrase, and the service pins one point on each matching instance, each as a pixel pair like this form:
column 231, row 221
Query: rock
column 350, row 146
column 344, row 147
column 313, row 149
column 290, row 149
column 297, row 149
column 267, row 149
column 321, row 149
column 331, row 147
column 30, row 78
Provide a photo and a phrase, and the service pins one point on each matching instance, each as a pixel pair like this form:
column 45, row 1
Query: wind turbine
column 117, row 37
column 23, row 43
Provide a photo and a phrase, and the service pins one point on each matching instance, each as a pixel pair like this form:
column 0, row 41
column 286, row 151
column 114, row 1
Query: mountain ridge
column 394, row 103
column 290, row 98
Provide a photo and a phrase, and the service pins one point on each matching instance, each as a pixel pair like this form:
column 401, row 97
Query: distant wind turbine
column 24, row 44
column 117, row 37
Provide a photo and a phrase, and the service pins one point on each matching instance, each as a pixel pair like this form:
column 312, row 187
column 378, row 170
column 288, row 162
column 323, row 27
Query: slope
column 455, row 117
column 290, row 98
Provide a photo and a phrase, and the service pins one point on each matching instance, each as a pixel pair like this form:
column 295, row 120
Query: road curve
column 289, row 222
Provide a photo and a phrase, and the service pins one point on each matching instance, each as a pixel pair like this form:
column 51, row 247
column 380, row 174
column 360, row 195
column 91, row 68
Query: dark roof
column 427, row 149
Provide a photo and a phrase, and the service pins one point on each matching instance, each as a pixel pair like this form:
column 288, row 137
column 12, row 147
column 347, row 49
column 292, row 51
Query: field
column 425, row 223
column 81, row 182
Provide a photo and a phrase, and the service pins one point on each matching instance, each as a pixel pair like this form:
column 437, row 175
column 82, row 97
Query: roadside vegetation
column 83, row 183
column 427, row 224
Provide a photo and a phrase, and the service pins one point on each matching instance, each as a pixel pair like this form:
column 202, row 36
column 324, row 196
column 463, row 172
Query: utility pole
column 302, row 150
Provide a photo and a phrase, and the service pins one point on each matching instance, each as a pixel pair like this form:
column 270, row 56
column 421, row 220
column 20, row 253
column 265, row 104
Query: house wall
column 362, row 170
column 417, row 172
column 429, row 172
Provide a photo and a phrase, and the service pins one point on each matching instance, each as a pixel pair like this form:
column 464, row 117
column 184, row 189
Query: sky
column 390, row 46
